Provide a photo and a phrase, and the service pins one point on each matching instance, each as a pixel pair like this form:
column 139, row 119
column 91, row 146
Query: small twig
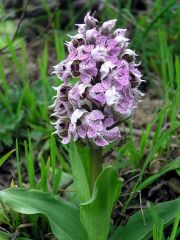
column 135, row 207
column 25, row 225
column 126, row 194
column 140, row 200
column 38, row 37
column 3, row 229
column 131, row 171
column 64, row 190
column 136, row 132
column 129, row 180
column 20, row 20
column 67, row 184
column 18, row 26
column 15, row 235
column 46, row 29
column 33, row 12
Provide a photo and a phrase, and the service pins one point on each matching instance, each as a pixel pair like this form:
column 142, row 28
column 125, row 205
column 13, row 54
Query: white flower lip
column 112, row 96
column 129, row 52
column 121, row 39
column 77, row 114
column 91, row 34
column 99, row 53
column 82, row 88
column 106, row 68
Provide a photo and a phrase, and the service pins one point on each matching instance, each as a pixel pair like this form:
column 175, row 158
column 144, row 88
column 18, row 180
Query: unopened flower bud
column 91, row 35
column 82, row 28
column 90, row 21
column 108, row 26
column 119, row 32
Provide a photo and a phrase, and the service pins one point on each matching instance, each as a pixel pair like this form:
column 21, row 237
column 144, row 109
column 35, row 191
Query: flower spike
column 106, row 90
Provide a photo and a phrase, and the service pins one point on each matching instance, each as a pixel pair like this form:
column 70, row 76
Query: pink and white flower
column 106, row 91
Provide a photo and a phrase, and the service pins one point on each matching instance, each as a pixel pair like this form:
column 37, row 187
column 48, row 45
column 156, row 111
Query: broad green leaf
column 79, row 175
column 171, row 166
column 22, row 238
column 96, row 213
column 5, row 157
column 62, row 215
column 135, row 228
column 84, row 153
column 4, row 235
column 7, row 236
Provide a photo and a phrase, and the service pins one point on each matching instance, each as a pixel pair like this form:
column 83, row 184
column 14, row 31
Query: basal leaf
column 4, row 235
column 96, row 214
column 7, row 236
column 63, row 216
column 79, row 175
column 135, row 228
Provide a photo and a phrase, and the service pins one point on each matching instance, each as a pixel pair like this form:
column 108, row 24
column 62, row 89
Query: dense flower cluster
column 107, row 88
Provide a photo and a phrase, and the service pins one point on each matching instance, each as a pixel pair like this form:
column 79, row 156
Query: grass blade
column 5, row 157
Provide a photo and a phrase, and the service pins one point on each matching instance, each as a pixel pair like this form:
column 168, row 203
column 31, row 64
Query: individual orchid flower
column 106, row 89
column 122, row 41
column 129, row 55
column 99, row 53
column 120, row 32
column 78, row 96
column 82, row 28
column 126, row 101
column 112, row 97
column 106, row 68
column 97, row 94
column 77, row 40
column 108, row 26
column 91, row 35
column 90, row 21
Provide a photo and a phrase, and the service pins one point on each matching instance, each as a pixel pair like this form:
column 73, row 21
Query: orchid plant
column 106, row 92
column 91, row 111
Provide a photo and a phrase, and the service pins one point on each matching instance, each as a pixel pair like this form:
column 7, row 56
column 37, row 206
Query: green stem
column 95, row 165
